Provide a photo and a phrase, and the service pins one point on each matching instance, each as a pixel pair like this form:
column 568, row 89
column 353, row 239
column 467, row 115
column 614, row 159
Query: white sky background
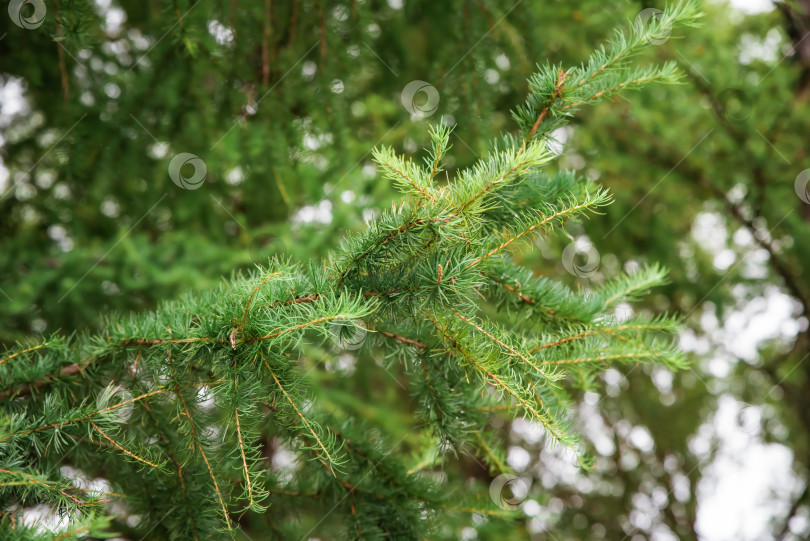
column 750, row 481
column 752, row 6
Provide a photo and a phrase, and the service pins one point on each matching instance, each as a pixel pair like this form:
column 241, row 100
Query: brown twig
column 120, row 448
column 23, row 352
column 402, row 339
column 554, row 95
column 244, row 458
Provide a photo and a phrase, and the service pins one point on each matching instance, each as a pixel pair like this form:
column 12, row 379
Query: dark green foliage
column 183, row 410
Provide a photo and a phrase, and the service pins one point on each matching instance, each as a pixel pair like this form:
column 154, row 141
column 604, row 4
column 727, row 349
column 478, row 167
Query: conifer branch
column 248, row 483
column 83, row 417
column 591, row 201
column 24, row 351
column 600, row 358
column 192, row 520
column 405, row 174
column 417, row 277
column 399, row 338
column 516, row 291
column 501, row 383
column 477, row 510
column 430, row 385
column 630, row 287
column 561, row 74
column 440, row 136
column 490, row 453
column 70, row 370
column 604, row 330
column 330, row 460
column 120, row 448
column 509, row 349
column 74, row 532
column 250, row 299
column 504, row 166
column 281, row 332
column 199, row 447
column 29, row 479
